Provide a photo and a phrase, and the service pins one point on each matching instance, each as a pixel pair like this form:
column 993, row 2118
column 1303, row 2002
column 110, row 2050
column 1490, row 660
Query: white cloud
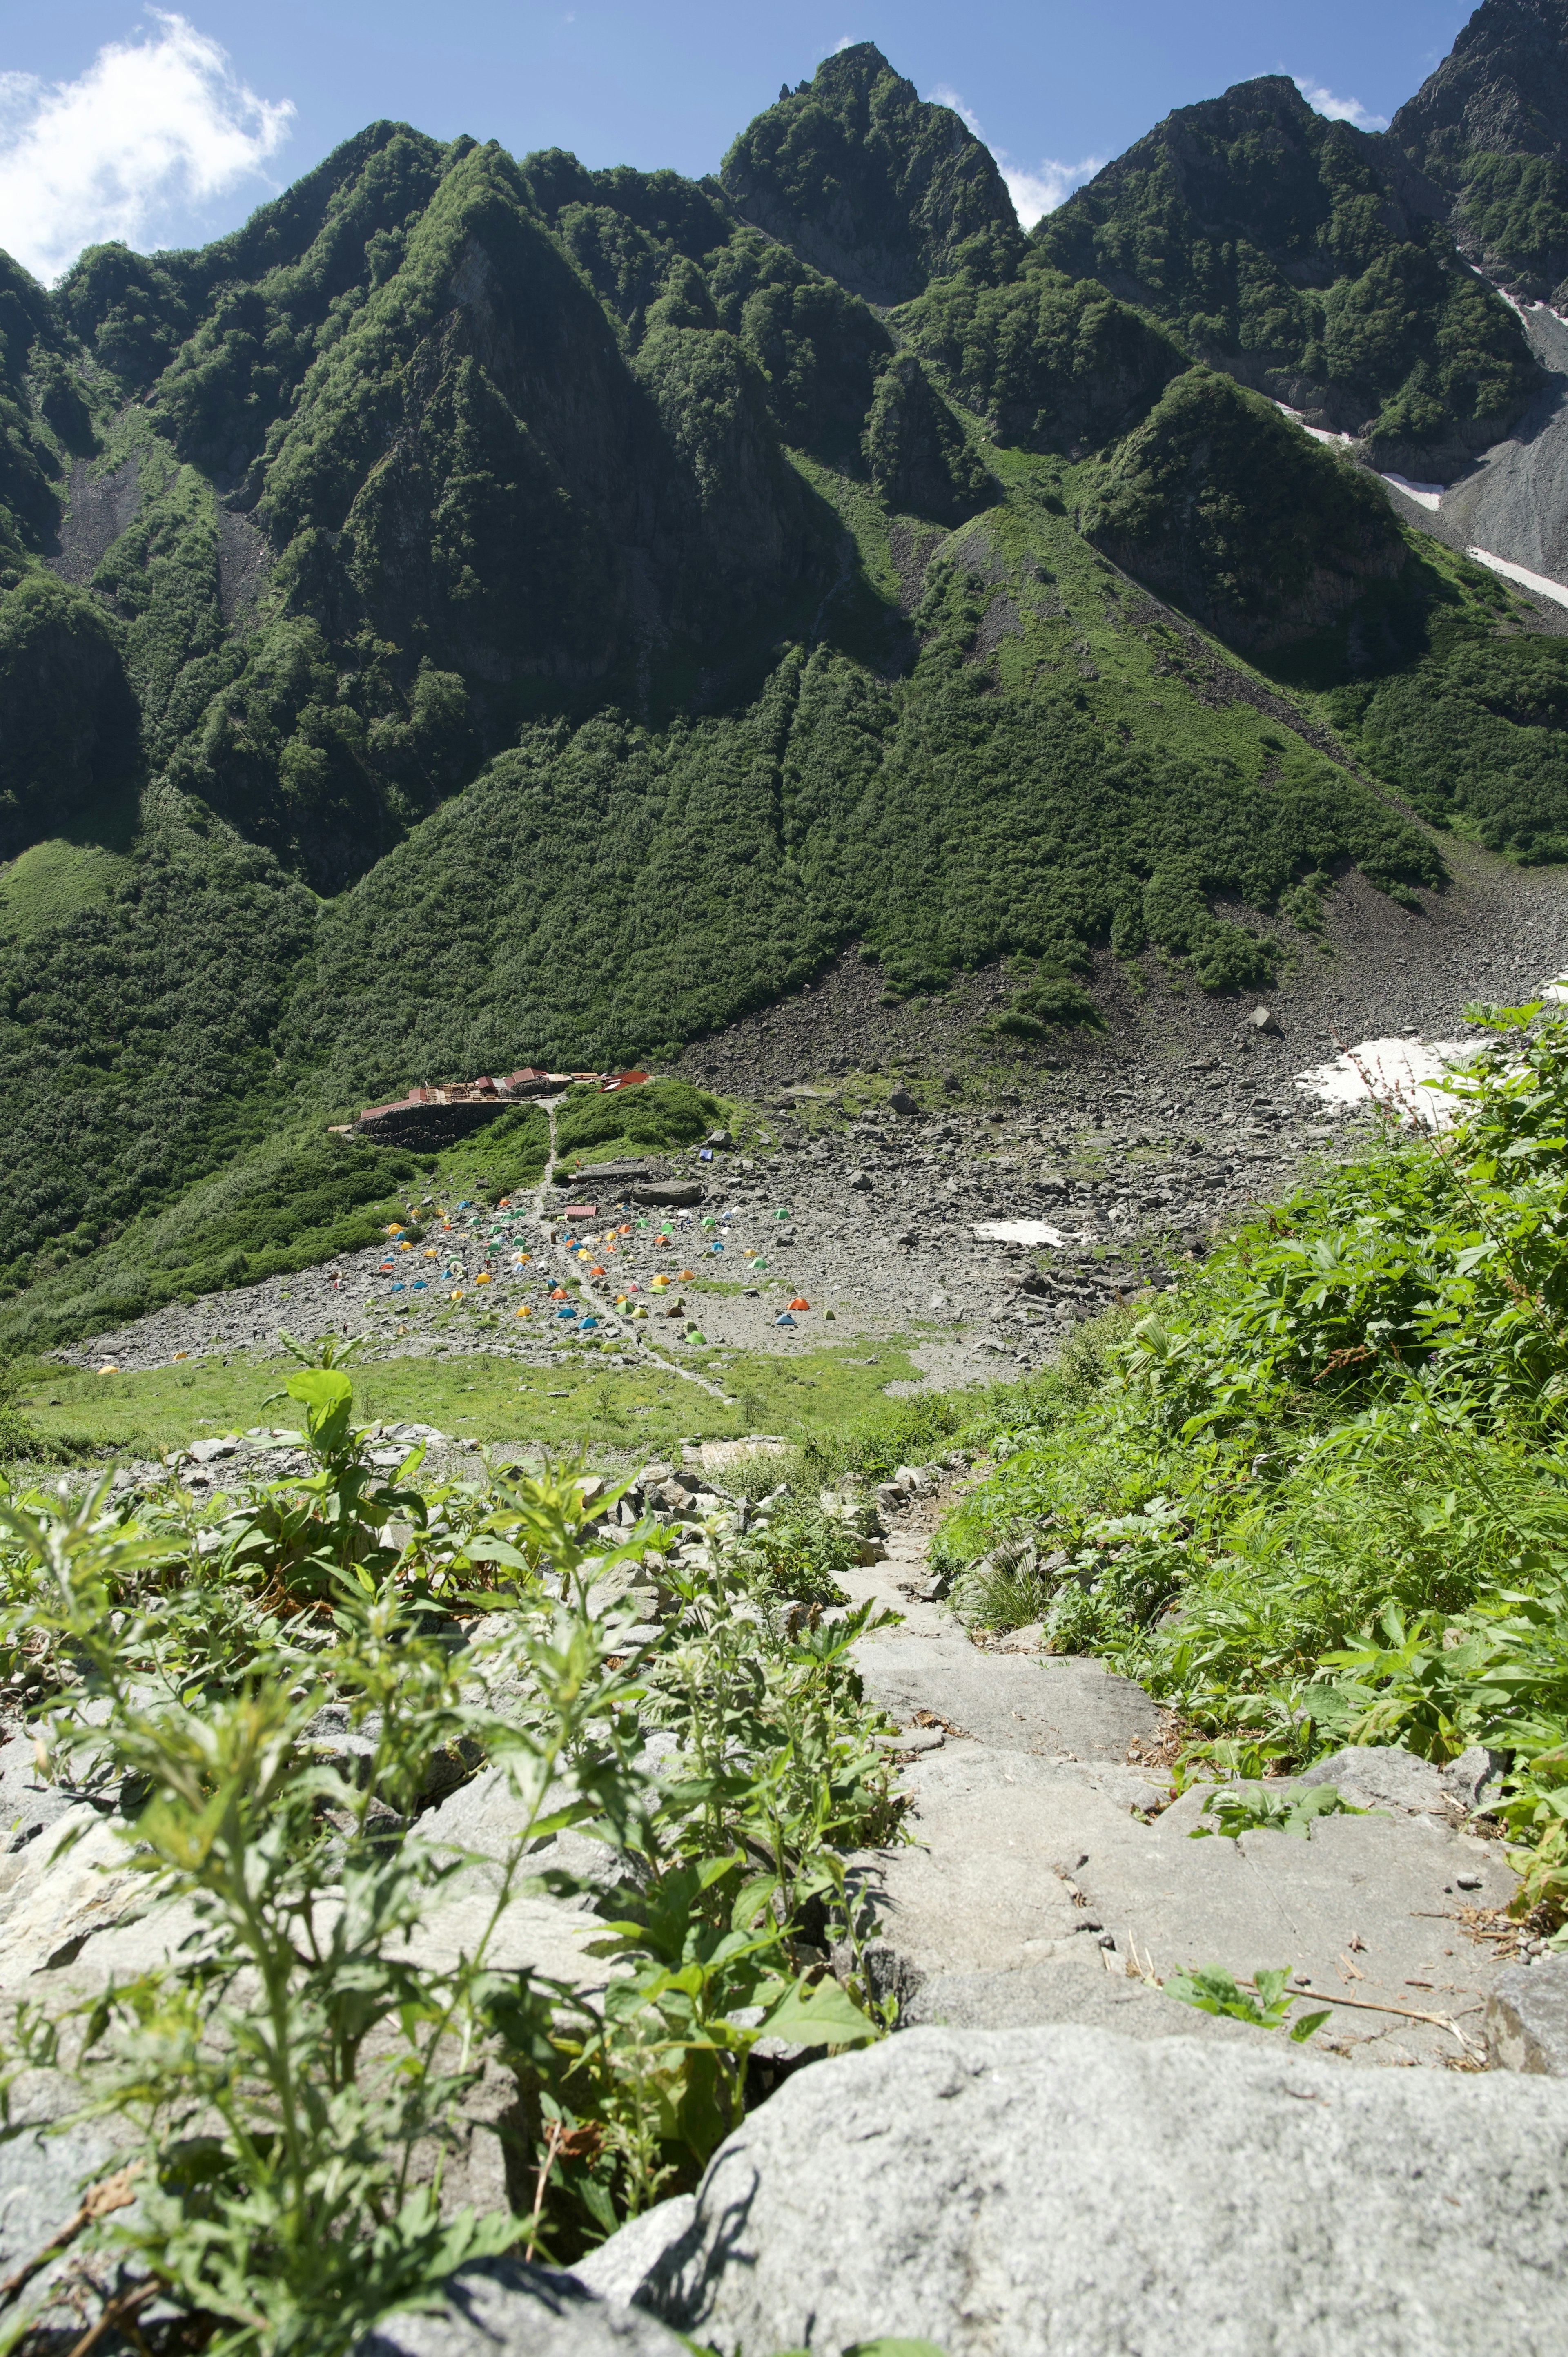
column 943, row 96
column 1033, row 191
column 153, row 125
column 1339, row 110
column 1047, row 185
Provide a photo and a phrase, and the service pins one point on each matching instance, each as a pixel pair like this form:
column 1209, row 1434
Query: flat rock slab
column 980, row 1886
column 1051, row 1703
column 1080, row 1991
column 1369, row 1909
column 1017, row 1861
column 1067, row 2190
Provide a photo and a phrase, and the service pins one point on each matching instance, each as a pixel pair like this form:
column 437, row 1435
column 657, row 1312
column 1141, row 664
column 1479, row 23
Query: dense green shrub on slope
column 1259, row 532
column 135, row 1037
column 861, row 177
column 919, row 455
column 1290, row 251
column 656, row 1116
column 1052, row 362
column 68, row 718
column 1475, row 738
column 41, row 412
column 275, row 1210
column 1317, row 1493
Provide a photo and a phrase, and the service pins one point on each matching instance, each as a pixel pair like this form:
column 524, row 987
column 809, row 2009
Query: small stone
column 1262, row 1019
column 859, row 1181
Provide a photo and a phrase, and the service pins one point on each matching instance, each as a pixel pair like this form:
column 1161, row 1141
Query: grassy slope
column 469, row 1394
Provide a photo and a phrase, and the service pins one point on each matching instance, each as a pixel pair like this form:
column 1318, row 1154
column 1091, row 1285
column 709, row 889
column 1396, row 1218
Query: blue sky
column 167, row 128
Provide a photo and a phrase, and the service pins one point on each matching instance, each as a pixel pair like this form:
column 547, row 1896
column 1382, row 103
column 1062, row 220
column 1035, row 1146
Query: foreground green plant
column 1264, row 2002
column 295, row 2078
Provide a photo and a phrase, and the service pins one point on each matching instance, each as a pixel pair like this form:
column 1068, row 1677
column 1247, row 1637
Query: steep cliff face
column 873, row 185
column 69, row 733
column 1490, row 129
column 1306, row 258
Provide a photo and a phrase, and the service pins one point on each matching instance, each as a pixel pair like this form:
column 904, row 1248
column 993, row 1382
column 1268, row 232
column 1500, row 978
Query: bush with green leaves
column 288, row 2084
column 1319, row 1495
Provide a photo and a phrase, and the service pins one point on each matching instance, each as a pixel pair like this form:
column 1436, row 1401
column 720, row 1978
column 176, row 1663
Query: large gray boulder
column 1068, row 2191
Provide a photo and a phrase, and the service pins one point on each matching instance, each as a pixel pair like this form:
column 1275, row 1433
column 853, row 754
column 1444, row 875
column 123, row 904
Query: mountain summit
column 1490, row 129
column 865, row 180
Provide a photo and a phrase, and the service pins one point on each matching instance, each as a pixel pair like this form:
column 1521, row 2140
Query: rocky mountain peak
column 867, row 180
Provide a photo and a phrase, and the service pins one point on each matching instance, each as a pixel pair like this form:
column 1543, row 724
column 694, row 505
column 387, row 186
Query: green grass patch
column 578, row 1400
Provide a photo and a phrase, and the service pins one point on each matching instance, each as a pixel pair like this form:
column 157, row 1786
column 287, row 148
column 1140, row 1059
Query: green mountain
column 1307, row 258
column 861, row 177
column 485, row 611
column 1490, row 129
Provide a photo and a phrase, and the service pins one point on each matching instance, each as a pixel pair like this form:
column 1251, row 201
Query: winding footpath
column 544, row 1219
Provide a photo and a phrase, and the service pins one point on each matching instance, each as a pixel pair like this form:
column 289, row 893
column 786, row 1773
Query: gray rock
column 1527, row 2019
column 28, row 1804
column 499, row 2308
column 1261, row 1018
column 42, row 2179
column 1382, row 1776
column 616, row 2269
column 1475, row 1779
column 52, row 1904
column 210, row 1452
column 1066, row 1990
column 1067, row 2190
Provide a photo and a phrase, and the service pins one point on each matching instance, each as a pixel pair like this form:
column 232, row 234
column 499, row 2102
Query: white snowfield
column 1397, row 1073
column 1542, row 587
column 1425, row 495
column 1019, row 1231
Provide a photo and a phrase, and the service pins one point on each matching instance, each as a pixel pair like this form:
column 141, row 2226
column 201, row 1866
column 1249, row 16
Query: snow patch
column 1525, row 578
column 1425, row 495
column 1396, row 1073
column 1318, row 433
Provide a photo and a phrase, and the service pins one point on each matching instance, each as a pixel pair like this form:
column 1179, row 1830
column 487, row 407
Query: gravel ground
column 1133, row 1143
